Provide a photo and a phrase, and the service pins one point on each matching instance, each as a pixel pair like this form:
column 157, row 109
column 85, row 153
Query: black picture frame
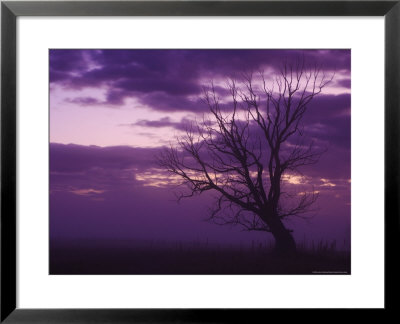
column 10, row 10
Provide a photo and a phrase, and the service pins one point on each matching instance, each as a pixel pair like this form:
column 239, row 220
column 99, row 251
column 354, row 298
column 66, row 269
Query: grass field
column 124, row 257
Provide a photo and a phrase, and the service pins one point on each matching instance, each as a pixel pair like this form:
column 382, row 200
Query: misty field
column 152, row 257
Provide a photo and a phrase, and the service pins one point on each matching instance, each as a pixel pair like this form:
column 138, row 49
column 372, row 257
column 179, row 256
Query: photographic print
column 200, row 161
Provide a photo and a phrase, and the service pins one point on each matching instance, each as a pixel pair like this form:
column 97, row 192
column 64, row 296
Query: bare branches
column 301, row 207
column 241, row 152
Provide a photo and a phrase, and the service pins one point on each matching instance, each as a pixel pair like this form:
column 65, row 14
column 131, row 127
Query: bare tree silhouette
column 245, row 149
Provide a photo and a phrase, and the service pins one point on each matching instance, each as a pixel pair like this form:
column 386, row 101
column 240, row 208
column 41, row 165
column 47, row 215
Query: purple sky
column 112, row 111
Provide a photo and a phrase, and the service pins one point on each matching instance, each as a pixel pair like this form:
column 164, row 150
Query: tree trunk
column 284, row 241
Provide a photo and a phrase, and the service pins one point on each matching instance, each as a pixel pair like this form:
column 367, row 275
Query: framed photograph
column 191, row 161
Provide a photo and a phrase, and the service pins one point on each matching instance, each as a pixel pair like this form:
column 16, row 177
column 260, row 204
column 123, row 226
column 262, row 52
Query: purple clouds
column 120, row 192
column 183, row 125
column 169, row 79
column 77, row 158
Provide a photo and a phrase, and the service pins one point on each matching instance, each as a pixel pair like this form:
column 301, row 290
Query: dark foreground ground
column 90, row 257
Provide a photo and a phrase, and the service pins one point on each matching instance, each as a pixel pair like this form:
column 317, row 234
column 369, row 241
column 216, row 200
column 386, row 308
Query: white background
column 363, row 288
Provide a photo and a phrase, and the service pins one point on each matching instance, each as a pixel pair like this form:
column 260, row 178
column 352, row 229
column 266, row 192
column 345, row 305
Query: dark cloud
column 65, row 64
column 90, row 171
column 334, row 163
column 163, row 102
column 345, row 83
column 67, row 60
column 183, row 125
column 323, row 107
column 115, row 97
column 335, row 132
column 164, row 79
column 58, row 76
column 83, row 101
column 328, row 119
column 163, row 84
column 79, row 158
